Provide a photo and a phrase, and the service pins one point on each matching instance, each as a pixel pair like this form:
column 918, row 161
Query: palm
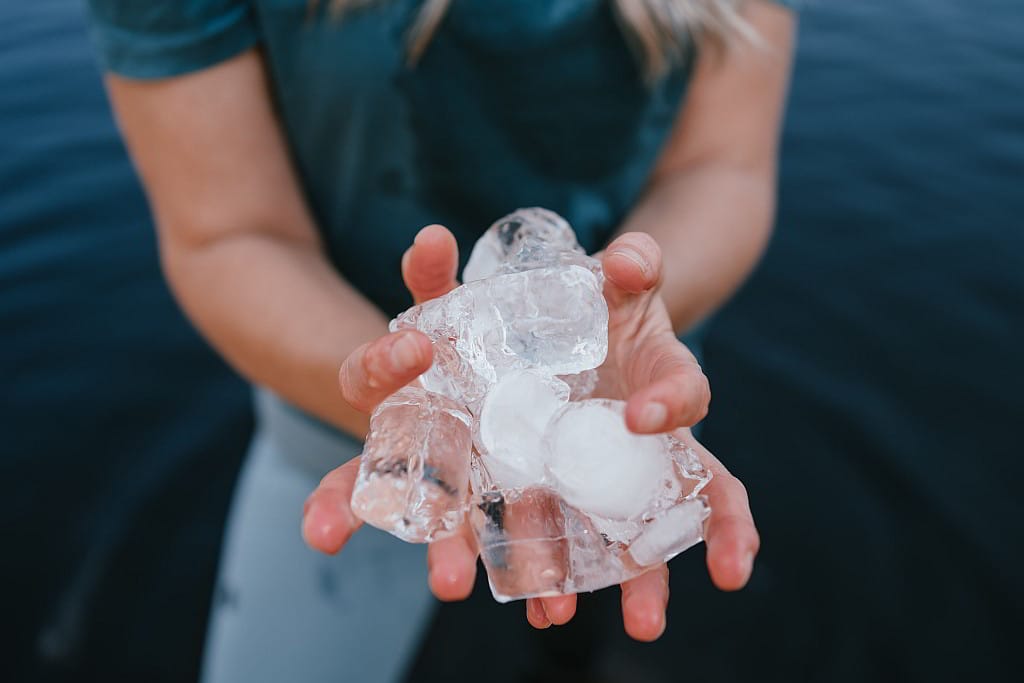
column 647, row 366
column 633, row 332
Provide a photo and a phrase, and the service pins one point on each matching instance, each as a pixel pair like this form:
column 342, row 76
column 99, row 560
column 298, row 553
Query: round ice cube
column 513, row 419
column 601, row 467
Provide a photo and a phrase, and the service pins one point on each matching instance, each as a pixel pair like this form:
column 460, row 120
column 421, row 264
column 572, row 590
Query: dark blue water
column 877, row 358
column 868, row 381
column 122, row 433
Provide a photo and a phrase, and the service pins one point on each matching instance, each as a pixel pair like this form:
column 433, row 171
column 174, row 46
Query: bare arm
column 710, row 200
column 237, row 243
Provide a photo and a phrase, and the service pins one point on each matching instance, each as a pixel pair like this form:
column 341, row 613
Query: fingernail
column 544, row 618
column 316, row 533
column 653, row 416
column 405, row 353
column 634, row 256
column 662, row 623
column 748, row 566
column 648, row 617
column 423, row 231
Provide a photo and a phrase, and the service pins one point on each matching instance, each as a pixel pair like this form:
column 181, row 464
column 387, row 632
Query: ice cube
column 530, row 540
column 670, row 532
column 598, row 465
column 522, row 542
column 534, row 544
column 512, row 423
column 413, row 478
column 602, row 467
column 524, row 239
column 553, row 318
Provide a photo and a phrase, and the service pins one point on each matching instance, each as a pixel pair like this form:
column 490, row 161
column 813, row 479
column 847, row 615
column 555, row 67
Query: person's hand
column 370, row 374
column 665, row 390
column 646, row 364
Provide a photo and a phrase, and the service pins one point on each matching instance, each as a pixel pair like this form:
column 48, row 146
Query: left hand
column 665, row 390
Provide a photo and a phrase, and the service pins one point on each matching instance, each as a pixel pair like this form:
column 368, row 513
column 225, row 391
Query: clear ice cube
column 414, row 474
column 522, row 542
column 552, row 318
column 525, row 239
column 671, row 532
column 534, row 544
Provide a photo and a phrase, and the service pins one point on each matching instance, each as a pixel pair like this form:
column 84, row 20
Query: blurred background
column 868, row 381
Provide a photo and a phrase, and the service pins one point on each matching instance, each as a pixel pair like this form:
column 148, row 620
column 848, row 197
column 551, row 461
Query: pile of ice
column 502, row 431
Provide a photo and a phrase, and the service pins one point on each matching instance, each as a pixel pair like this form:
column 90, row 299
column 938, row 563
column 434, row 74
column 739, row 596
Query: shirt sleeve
column 160, row 38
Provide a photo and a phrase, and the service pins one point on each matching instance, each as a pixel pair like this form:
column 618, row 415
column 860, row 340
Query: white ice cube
column 600, row 466
column 512, row 424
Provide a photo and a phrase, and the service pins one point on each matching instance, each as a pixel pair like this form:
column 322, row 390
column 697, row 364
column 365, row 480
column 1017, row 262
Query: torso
column 526, row 103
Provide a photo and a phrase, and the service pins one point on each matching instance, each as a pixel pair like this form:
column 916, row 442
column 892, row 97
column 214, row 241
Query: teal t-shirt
column 525, row 103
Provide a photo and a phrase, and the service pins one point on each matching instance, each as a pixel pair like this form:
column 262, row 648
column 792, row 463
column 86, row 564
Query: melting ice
column 501, row 431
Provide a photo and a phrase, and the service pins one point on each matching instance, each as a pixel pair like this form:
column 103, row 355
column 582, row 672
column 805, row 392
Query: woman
column 290, row 150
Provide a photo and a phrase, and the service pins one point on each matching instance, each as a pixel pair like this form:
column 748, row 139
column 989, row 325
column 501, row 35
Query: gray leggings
column 283, row 612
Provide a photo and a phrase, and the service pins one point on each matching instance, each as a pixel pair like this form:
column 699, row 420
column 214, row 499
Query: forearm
column 237, row 243
column 279, row 313
column 712, row 222
column 710, row 202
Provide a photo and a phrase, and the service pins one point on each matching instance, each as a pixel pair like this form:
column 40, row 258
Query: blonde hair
column 659, row 31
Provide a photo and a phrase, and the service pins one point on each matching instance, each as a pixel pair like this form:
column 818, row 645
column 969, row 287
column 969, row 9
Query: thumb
column 632, row 268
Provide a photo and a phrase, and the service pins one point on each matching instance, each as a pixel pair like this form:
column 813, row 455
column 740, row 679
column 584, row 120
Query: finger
column 430, row 264
column 675, row 391
column 379, row 368
column 559, row 609
column 535, row 614
column 632, row 265
column 327, row 518
column 451, row 563
column 731, row 536
column 644, row 600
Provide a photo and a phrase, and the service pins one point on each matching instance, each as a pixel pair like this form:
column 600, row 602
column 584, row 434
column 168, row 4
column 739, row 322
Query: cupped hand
column 665, row 391
column 647, row 366
column 370, row 374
